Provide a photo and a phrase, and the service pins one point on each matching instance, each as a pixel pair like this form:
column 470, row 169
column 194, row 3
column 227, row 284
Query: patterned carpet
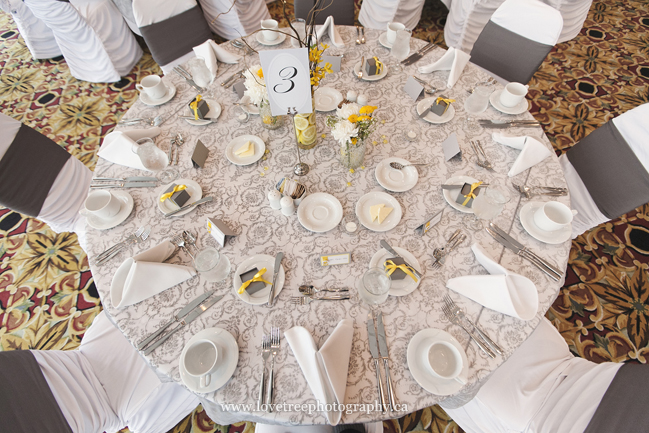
column 47, row 294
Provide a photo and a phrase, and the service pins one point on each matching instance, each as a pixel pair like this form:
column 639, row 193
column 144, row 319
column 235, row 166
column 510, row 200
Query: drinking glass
column 490, row 202
column 200, row 73
column 374, row 286
column 475, row 104
column 400, row 48
column 154, row 159
column 212, row 265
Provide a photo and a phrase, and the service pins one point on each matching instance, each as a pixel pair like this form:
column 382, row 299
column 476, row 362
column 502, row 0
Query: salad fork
column 482, row 160
column 274, row 348
column 441, row 255
column 179, row 241
column 122, row 244
column 457, row 311
column 265, row 353
column 141, row 238
column 306, row 300
column 456, row 321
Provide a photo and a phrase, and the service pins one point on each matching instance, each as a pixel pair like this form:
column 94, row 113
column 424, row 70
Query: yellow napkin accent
column 379, row 65
column 257, row 277
column 194, row 106
column 390, row 266
column 471, row 195
column 169, row 194
column 448, row 102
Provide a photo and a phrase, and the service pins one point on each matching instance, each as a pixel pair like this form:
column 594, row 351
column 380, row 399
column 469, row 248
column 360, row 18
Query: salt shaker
column 351, row 96
column 362, row 100
column 274, row 198
column 288, row 207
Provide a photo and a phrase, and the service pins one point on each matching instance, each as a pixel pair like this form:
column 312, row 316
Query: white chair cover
column 574, row 13
column 38, row 37
column 241, row 20
column 376, row 14
column 370, row 427
column 126, row 9
column 341, row 11
column 465, row 21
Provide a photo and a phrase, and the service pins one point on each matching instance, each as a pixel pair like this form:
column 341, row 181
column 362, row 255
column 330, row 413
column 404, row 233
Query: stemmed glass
column 154, row 159
column 400, row 49
column 476, row 103
column 373, row 287
column 490, row 202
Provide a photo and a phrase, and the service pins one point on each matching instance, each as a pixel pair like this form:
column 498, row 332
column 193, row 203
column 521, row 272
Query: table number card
column 413, row 88
column 288, row 81
column 430, row 223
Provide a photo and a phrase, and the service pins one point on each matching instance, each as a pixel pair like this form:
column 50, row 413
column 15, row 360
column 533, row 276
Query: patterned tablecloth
column 240, row 200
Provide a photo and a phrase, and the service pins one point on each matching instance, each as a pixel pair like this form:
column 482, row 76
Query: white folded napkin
column 532, row 151
column 453, row 60
column 334, row 36
column 118, row 146
column 325, row 370
column 210, row 52
column 144, row 275
column 509, row 293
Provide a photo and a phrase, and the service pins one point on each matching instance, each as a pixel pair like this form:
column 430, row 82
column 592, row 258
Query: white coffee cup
column 553, row 216
column 102, row 204
column 393, row 28
column 152, row 86
column 513, row 94
column 445, row 361
column 269, row 26
column 200, row 360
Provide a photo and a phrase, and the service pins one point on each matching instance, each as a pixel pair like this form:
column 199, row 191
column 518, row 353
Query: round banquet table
column 240, row 200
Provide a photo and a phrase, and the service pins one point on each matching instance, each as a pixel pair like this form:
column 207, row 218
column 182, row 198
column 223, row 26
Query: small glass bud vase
column 306, row 131
column 352, row 155
column 269, row 121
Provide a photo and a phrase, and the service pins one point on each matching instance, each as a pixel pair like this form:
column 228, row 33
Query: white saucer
column 320, row 212
column 451, row 194
column 239, row 141
column 228, row 357
column 373, row 198
column 421, row 342
column 327, row 98
column 215, row 112
column 125, row 208
column 258, row 261
column 147, row 100
column 432, row 117
column 384, row 72
column 527, row 220
column 518, row 109
column 248, row 106
column 398, row 287
column 262, row 40
column 193, row 189
column 383, row 40
column 393, row 179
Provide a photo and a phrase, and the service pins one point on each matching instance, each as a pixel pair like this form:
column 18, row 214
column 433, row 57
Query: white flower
column 347, row 110
column 343, row 131
column 255, row 86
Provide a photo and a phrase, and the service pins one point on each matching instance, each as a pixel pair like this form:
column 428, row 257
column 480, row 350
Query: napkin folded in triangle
column 144, row 275
column 329, row 28
column 325, row 370
column 210, row 52
column 453, row 60
column 532, row 151
column 503, row 291
column 118, row 146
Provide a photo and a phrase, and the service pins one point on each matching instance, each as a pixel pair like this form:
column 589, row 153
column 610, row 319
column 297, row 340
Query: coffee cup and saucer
column 106, row 209
column 155, row 92
column 511, row 99
column 437, row 362
column 548, row 222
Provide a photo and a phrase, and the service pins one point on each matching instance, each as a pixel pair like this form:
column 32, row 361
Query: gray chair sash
column 615, row 178
column 26, row 401
column 624, row 405
column 341, row 10
column 28, row 169
column 508, row 54
column 176, row 36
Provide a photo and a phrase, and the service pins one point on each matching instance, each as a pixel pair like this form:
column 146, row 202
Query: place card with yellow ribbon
column 468, row 192
column 199, row 108
column 176, row 194
column 397, row 269
column 253, row 281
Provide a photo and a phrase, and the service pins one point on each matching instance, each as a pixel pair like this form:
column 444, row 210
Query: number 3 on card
column 288, row 82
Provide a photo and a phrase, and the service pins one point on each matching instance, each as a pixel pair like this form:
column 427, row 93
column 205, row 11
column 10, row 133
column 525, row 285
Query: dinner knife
column 124, row 185
column 226, row 83
column 194, row 118
column 177, row 318
column 460, row 186
column 187, row 206
column 278, row 265
column 383, row 349
column 389, row 249
column 189, row 81
column 371, row 334
column 127, row 179
column 184, row 322
column 418, row 55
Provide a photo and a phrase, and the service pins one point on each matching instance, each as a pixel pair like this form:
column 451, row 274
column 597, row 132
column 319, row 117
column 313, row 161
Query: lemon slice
column 301, row 123
column 312, row 119
column 309, row 133
column 307, row 140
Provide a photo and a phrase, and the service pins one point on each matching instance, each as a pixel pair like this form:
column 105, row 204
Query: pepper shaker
column 288, row 207
column 274, row 198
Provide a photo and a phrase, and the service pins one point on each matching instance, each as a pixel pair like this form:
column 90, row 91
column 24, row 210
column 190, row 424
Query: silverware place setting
column 532, row 191
column 306, row 300
column 127, row 182
column 500, row 124
column 309, row 290
column 457, row 321
column 270, row 346
column 376, row 357
column 439, row 254
column 152, row 121
column 140, row 235
column 183, row 73
column 481, row 156
column 457, row 311
column 418, row 55
column 428, row 88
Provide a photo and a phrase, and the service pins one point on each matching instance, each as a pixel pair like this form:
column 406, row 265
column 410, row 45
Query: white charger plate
column 262, row 40
column 125, row 209
column 327, row 98
column 320, row 212
column 451, row 194
column 432, row 117
column 527, row 220
column 373, row 198
column 418, row 347
column 517, row 109
column 237, row 142
column 384, row 72
column 383, row 40
column 398, row 287
column 214, row 113
column 147, row 100
column 258, row 261
column 393, row 179
column 193, row 189
column 227, row 359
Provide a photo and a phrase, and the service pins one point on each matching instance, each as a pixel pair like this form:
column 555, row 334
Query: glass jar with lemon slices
column 306, row 132
column 269, row 121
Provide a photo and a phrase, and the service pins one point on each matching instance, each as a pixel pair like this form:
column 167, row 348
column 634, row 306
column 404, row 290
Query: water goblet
column 154, row 159
column 400, row 49
column 373, row 287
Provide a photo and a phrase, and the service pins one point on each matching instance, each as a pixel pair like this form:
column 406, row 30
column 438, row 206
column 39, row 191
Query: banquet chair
column 125, row 7
column 516, row 40
column 38, row 37
column 40, row 178
column 376, row 14
column 171, row 29
column 233, row 21
column 465, row 21
column 103, row 386
column 574, row 13
column 342, row 11
column 608, row 171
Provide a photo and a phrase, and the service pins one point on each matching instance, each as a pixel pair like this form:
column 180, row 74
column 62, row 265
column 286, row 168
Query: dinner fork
column 457, row 311
column 179, row 240
column 440, row 260
column 526, row 191
column 274, row 348
column 122, row 244
column 143, row 237
column 306, row 300
column 188, row 78
column 265, row 353
column 480, row 155
column 456, row 321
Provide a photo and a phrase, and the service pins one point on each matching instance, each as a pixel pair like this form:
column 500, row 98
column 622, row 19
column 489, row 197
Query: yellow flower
column 353, row 118
column 354, row 140
column 368, row 109
column 327, row 68
column 361, row 118
column 260, row 73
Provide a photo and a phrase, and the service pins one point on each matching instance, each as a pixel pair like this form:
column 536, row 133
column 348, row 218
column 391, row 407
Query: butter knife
column 124, row 185
column 383, row 349
column 459, row 186
column 374, row 350
column 228, row 81
column 389, row 249
column 187, row 206
column 127, row 179
column 419, row 54
column 188, row 80
column 278, row 265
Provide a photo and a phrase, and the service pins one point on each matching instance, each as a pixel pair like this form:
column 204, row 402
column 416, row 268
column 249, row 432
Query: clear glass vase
column 306, row 131
column 352, row 155
column 269, row 121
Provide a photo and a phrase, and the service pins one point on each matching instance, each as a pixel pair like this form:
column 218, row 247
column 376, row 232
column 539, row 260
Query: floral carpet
column 47, row 293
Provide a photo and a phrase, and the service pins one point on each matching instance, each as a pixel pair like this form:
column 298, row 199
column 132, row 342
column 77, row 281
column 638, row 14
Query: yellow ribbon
column 257, row 277
column 390, row 266
column 379, row 65
column 443, row 99
column 471, row 195
column 169, row 194
column 194, row 106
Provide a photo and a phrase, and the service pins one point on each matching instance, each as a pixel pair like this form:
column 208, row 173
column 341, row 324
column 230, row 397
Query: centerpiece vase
column 352, row 155
column 269, row 121
column 306, row 129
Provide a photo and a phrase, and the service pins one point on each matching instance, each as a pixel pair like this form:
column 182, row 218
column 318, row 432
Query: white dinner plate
column 238, row 142
column 432, row 117
column 517, row 109
column 373, row 198
column 125, row 209
column 193, row 189
column 320, row 212
column 214, row 113
column 527, row 220
column 451, row 194
column 393, row 179
column 227, row 359
column 417, row 351
column 248, row 106
column 384, row 72
column 383, row 40
column 258, row 261
column 398, row 287
column 262, row 40
column 147, row 100
column 327, row 98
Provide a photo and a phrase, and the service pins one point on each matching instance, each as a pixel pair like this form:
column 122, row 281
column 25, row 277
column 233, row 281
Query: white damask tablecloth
column 240, row 200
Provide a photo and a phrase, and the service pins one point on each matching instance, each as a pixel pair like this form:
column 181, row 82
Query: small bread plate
column 432, row 117
column 393, row 179
column 125, row 209
column 241, row 141
column 398, row 287
column 213, row 114
column 327, row 98
column 383, row 40
column 527, row 220
column 384, row 72
column 248, row 106
column 262, row 40
column 371, row 199
column 193, row 189
column 320, row 212
column 258, row 261
column 147, row 100
column 451, row 194
column 521, row 108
